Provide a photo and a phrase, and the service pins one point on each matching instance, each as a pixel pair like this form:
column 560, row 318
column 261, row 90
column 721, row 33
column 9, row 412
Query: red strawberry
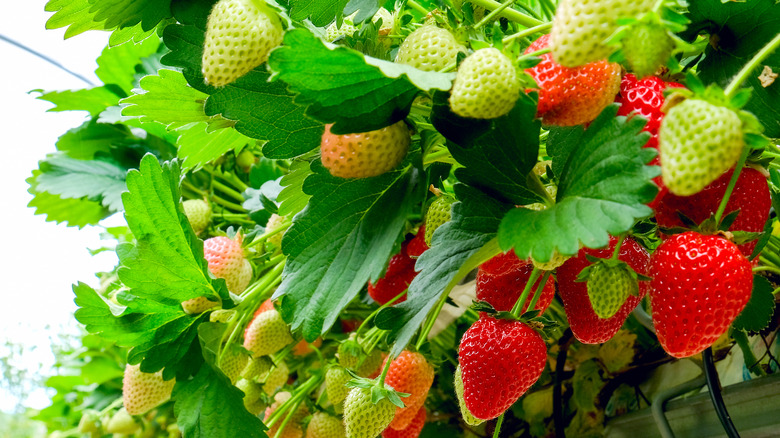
column 700, row 284
column 412, row 430
column 410, row 373
column 500, row 359
column 400, row 272
column 504, row 288
column 586, row 326
column 417, row 245
column 572, row 96
column 750, row 196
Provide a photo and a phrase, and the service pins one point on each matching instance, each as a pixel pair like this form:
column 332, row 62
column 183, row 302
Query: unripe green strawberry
column 332, row 33
column 336, row 379
column 267, row 334
column 581, row 27
column 257, row 368
column 253, row 392
column 365, row 154
column 429, row 48
column 323, row 425
column 239, row 36
column 437, row 215
column 646, row 47
column 142, row 392
column 122, row 422
column 698, row 141
column 486, row 85
column 273, row 223
column 608, row 288
column 245, row 160
column 364, row 419
column 226, row 260
column 198, row 213
column 90, row 421
column 233, row 362
column 470, row 419
column 198, row 305
column 221, row 315
column 276, row 378
column 351, row 355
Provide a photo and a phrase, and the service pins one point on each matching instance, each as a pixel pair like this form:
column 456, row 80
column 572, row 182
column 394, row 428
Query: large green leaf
column 127, row 13
column 741, row 30
column 92, row 179
column 198, row 145
column 458, row 247
column 603, row 189
column 758, row 312
column 498, row 154
column 94, row 100
column 292, row 199
column 73, row 14
column 344, row 87
column 91, row 138
column 209, row 406
column 116, row 65
column 321, row 13
column 72, row 212
column 338, row 242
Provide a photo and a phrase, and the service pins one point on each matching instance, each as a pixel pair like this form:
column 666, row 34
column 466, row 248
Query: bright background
column 39, row 261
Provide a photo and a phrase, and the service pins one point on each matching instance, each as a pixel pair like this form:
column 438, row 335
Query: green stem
column 616, row 252
column 549, row 8
column 538, row 291
column 518, row 307
column 536, row 185
column 388, row 361
column 772, row 269
column 190, row 186
column 228, row 177
column 270, row 233
column 295, row 400
column 227, row 204
column 374, row 313
column 758, row 58
column 228, row 191
column 499, row 422
column 417, row 7
column 509, row 14
column 542, row 28
column 732, row 183
column 750, row 359
column 489, row 17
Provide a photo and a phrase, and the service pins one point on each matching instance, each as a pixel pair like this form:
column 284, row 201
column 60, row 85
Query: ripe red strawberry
column 486, row 85
column 700, row 284
column 364, row 419
column 226, row 260
column 142, row 392
column 412, row 430
column 412, row 374
column 267, row 334
column 500, row 359
column 504, row 288
column 439, row 213
column 750, row 196
column 429, row 48
column 323, row 425
column 365, row 154
column 198, row 213
column 572, row 96
column 586, row 326
column 417, row 245
column 400, row 273
column 239, row 36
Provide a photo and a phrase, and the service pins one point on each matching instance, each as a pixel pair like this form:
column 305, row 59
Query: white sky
column 38, row 260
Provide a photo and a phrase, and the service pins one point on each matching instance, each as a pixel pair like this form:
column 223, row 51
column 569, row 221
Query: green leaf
column 742, row 29
column 76, row 179
column 603, row 188
column 338, row 242
column 365, row 9
column 198, row 145
column 292, row 199
column 94, row 100
column 344, row 87
column 209, row 406
column 321, row 13
column 458, row 246
column 587, row 384
column 116, row 65
column 73, row 212
column 127, row 13
column 73, row 14
column 498, row 154
column 758, row 313
column 90, row 138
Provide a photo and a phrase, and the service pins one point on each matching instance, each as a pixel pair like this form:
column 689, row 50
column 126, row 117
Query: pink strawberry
column 412, row 430
column 226, row 260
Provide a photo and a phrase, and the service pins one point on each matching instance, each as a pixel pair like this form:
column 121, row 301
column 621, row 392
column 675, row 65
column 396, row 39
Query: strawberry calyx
column 711, row 226
column 532, row 318
column 379, row 389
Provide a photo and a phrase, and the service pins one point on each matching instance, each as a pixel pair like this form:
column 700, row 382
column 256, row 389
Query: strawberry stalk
column 492, row 15
column 281, row 228
column 542, row 28
column 526, row 291
column 509, row 14
column 291, row 405
column 499, row 422
column 232, row 193
column 370, row 317
column 619, row 244
column 538, row 291
column 535, row 184
column 744, row 74
column 732, row 184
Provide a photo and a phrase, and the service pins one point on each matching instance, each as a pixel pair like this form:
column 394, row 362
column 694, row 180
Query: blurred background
column 39, row 261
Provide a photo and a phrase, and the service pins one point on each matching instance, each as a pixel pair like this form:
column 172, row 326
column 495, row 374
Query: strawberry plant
column 416, row 218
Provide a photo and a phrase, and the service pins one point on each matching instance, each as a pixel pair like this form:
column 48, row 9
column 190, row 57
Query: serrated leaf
column 342, row 86
column 458, row 246
column 209, row 406
column 498, row 154
column 338, row 242
column 758, row 312
column 198, row 145
column 116, row 65
column 73, row 212
column 742, row 29
column 587, row 384
column 73, row 14
column 93, row 100
column 292, row 199
column 127, row 13
column 603, row 190
column 365, row 9
column 90, row 138
column 77, row 179
column 321, row 13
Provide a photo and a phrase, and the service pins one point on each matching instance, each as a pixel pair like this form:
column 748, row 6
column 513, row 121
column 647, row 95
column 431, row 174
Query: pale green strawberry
column 323, row 425
column 364, row 419
column 470, row 419
column 486, row 85
column 240, row 34
column 267, row 334
column 276, row 378
column 198, row 213
column 608, row 288
column 273, row 223
column 351, row 355
column 699, row 141
column 253, row 396
column 90, row 421
column 142, row 392
column 336, row 379
column 232, row 363
column 257, row 368
column 647, row 47
column 197, row 305
column 439, row 213
column 122, row 423
column 429, row 48
column 580, row 28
